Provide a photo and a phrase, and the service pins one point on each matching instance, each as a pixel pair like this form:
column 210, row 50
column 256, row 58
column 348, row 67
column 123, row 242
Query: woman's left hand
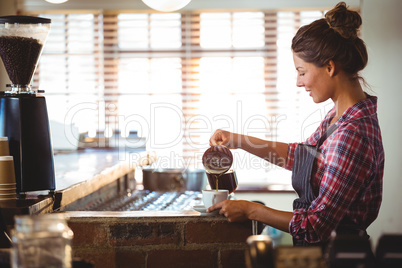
column 234, row 210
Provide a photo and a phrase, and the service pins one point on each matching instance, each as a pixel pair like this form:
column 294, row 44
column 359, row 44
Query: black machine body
column 24, row 120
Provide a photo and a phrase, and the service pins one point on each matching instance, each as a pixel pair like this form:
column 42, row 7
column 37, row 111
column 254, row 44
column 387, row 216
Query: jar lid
column 23, row 20
column 40, row 222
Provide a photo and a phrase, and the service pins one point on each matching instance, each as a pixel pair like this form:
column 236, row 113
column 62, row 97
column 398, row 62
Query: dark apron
column 304, row 158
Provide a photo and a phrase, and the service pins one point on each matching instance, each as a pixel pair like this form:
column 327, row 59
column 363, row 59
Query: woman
column 337, row 172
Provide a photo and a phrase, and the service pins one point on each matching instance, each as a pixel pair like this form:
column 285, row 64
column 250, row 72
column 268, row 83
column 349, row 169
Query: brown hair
column 333, row 38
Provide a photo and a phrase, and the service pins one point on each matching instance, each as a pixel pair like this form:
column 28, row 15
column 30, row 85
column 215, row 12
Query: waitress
column 337, row 172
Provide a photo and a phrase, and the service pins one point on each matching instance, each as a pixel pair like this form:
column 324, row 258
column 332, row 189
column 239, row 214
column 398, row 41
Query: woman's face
column 316, row 80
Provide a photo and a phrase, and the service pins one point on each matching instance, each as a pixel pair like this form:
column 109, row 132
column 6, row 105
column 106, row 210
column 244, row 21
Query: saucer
column 200, row 209
column 203, row 209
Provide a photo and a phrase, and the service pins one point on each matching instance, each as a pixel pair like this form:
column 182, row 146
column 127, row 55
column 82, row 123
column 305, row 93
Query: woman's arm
column 274, row 152
column 241, row 210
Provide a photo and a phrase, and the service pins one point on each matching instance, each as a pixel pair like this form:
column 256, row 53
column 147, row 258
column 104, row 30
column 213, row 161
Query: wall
column 383, row 35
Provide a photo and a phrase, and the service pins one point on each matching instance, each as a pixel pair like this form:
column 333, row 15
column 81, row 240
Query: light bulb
column 166, row 5
column 56, row 1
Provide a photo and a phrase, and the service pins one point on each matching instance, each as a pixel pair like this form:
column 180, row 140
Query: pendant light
column 56, row 1
column 166, row 5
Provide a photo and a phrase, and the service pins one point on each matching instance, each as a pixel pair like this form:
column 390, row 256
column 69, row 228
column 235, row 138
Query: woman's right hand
column 226, row 138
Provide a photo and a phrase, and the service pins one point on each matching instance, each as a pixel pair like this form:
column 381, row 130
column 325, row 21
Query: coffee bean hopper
column 23, row 113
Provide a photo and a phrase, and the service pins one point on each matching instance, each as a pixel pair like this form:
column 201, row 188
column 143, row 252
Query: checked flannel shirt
column 346, row 176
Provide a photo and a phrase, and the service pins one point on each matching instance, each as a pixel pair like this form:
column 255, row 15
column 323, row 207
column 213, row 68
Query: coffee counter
column 138, row 238
column 81, row 173
column 78, row 174
column 158, row 239
column 141, row 238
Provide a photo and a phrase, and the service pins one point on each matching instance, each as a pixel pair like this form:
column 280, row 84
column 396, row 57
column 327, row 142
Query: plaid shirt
column 347, row 175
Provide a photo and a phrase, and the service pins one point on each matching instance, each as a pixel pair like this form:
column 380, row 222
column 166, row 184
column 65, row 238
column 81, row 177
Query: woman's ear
column 331, row 68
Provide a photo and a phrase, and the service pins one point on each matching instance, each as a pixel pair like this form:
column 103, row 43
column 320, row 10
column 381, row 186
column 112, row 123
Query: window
column 174, row 78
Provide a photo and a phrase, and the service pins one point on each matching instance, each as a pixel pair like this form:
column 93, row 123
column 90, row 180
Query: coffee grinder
column 23, row 113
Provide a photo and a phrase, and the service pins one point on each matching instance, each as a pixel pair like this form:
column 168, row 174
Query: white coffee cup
column 212, row 197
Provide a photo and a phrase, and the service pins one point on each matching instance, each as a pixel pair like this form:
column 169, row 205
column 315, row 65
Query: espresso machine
column 23, row 113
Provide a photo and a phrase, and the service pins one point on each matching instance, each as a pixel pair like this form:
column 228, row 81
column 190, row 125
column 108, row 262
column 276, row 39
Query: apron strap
column 327, row 133
column 305, row 156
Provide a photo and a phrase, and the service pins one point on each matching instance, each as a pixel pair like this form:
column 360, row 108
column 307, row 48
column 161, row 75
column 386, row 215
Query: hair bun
column 345, row 22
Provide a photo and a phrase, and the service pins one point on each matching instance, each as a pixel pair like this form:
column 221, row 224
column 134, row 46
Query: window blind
column 173, row 78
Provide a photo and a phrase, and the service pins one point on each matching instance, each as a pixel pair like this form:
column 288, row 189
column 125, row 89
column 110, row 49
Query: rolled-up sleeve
column 290, row 156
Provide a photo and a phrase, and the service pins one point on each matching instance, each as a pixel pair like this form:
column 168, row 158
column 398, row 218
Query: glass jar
column 41, row 241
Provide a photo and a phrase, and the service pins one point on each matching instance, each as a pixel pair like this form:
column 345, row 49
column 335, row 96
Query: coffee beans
column 19, row 55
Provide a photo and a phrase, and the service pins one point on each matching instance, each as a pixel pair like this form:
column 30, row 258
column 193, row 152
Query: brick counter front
column 158, row 239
